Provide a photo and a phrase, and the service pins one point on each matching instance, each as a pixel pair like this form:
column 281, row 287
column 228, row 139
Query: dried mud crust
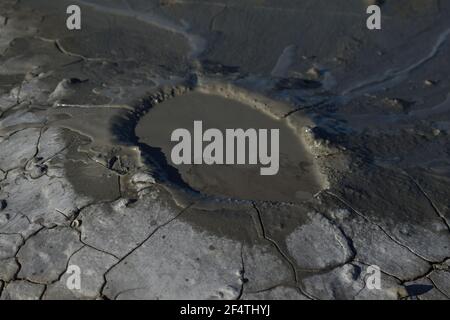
column 78, row 187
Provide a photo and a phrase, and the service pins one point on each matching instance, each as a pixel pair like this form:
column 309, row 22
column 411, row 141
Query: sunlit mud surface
column 86, row 176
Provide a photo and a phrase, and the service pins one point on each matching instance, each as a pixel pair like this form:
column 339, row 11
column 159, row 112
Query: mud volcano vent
column 297, row 177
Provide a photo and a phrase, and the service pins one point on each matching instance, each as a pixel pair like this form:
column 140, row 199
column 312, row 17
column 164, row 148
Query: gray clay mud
column 86, row 177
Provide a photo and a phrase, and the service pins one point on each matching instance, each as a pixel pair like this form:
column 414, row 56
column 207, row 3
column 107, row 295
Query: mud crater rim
column 158, row 162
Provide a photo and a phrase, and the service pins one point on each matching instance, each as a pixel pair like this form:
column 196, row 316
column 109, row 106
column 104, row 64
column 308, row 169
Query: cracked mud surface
column 83, row 181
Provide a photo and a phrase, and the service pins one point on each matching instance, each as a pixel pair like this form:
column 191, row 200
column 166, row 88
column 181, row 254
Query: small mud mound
column 297, row 177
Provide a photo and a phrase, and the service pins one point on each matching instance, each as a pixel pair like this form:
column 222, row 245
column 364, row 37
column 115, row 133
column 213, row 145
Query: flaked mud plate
column 87, row 182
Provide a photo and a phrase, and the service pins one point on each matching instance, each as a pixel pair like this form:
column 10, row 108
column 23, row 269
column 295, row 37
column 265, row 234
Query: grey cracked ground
column 85, row 178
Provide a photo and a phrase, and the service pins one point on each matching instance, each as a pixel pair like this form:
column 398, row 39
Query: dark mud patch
column 93, row 180
column 295, row 181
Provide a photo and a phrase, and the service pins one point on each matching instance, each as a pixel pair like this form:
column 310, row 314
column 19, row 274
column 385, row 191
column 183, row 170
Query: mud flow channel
column 296, row 179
